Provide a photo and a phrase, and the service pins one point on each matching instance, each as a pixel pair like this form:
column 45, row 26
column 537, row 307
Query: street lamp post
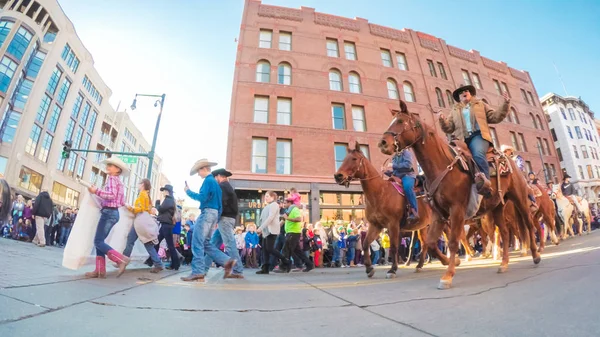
column 152, row 150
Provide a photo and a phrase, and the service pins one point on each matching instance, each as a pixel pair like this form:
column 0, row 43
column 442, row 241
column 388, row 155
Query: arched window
column 284, row 74
column 450, row 98
column 409, row 95
column 533, row 120
column 335, row 80
column 540, row 122
column 354, row 81
column 440, row 98
column 263, row 72
column 514, row 116
column 392, row 89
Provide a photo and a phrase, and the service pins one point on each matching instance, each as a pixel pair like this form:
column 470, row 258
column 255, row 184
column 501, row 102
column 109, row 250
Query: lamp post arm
column 152, row 150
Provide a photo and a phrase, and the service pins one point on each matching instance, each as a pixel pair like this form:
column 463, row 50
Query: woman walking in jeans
column 269, row 228
column 166, row 213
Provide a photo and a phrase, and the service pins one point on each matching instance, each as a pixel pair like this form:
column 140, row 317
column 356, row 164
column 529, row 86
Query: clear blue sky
column 187, row 50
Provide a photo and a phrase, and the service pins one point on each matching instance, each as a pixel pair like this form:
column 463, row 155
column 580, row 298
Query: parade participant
column 469, row 121
column 143, row 204
column 293, row 232
column 568, row 190
column 211, row 207
column 404, row 172
column 269, row 229
column 66, row 223
column 224, row 233
column 251, row 247
column 42, row 210
column 509, row 151
column 166, row 218
column 112, row 196
column 533, row 180
column 296, row 196
column 17, row 213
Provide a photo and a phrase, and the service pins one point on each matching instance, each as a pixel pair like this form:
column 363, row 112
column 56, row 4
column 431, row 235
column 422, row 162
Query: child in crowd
column 240, row 243
column 251, row 247
column 343, row 246
column 351, row 244
column 295, row 196
column 318, row 248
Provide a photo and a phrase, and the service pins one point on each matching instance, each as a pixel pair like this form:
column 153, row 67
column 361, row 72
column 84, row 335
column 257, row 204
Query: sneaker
column 296, row 270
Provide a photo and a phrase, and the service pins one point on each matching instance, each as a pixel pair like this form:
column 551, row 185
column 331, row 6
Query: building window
column 584, row 152
column 261, row 109
column 431, row 68
column 35, row 64
column 358, row 118
column 575, row 152
column 531, row 98
column 64, row 91
column 466, row 78
column 494, row 137
column 80, row 167
column 284, row 157
column 11, row 126
column 528, row 166
column 338, row 117
column 365, row 151
column 43, row 109
column 409, row 95
column 77, row 106
column 46, row 144
column 53, row 82
column 401, row 59
column 578, row 132
column 514, row 116
column 332, row 48
column 533, row 120
column 572, row 114
column 386, row 58
column 513, row 138
column 30, row 180
column 263, row 72
column 335, row 80
column 22, row 94
column 34, row 137
column 65, row 195
column 497, row 87
column 284, row 111
column 581, row 172
column 569, row 131
column 449, row 98
column 522, row 144
column 590, row 171
column 78, row 136
column 350, row 50
column 440, row 98
column 68, row 55
column 259, row 155
column 7, row 70
column 562, row 111
column 524, row 96
column 540, row 146
column 86, row 113
column 559, row 154
column 540, row 122
column 392, row 88
column 284, row 74
column 442, row 70
column 340, row 151
column 285, row 41
column 354, row 81
column 19, row 43
column 3, row 160
column 266, row 36
column 554, row 138
column 5, row 28
column 54, row 118
column 505, row 89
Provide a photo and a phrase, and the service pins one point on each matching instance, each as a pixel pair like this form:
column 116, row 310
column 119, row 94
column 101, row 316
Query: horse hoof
column 390, row 275
column 418, row 270
column 537, row 260
column 502, row 269
column 371, row 272
column 445, row 285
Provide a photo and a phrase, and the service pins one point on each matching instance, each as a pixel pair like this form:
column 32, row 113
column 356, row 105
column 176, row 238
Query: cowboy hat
column 168, row 188
column 200, row 164
column 115, row 161
column 221, row 172
column 457, row 92
column 566, row 176
column 504, row 148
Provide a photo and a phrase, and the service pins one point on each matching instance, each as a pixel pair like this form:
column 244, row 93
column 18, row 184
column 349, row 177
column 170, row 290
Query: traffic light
column 66, row 153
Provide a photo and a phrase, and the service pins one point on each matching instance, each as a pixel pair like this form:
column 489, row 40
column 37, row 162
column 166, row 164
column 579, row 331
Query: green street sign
column 129, row 159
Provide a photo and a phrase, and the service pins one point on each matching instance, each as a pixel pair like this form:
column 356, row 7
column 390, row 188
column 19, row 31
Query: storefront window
column 65, row 195
column 30, row 180
column 342, row 199
column 331, row 215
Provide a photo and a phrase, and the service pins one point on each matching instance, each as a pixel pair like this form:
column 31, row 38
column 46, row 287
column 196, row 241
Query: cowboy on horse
column 568, row 190
column 509, row 151
column 404, row 173
column 469, row 121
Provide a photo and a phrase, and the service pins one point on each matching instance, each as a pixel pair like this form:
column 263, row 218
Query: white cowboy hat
column 115, row 161
column 504, row 148
column 200, row 164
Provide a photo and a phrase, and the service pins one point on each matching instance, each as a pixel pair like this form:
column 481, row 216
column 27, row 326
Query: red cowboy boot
column 121, row 260
column 100, row 271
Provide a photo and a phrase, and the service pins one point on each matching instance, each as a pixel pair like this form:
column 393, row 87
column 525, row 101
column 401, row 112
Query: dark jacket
column 42, row 206
column 230, row 200
column 166, row 210
column 567, row 189
column 66, row 220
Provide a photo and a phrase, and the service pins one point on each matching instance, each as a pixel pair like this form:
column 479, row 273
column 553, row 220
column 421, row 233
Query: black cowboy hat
column 566, row 176
column 457, row 92
column 221, row 172
column 168, row 188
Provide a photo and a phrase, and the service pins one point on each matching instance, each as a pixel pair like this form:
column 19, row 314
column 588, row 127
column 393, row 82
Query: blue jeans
column 108, row 218
column 408, row 183
column 350, row 256
column 64, row 235
column 279, row 242
column 336, row 251
column 201, row 245
column 132, row 238
column 375, row 257
column 225, row 234
column 479, row 147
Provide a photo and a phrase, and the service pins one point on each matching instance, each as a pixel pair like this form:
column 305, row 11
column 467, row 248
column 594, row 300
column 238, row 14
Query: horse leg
column 410, row 249
column 498, row 216
column 536, row 223
column 394, row 233
column 548, row 217
column 433, row 234
column 523, row 211
column 372, row 234
column 422, row 235
column 457, row 231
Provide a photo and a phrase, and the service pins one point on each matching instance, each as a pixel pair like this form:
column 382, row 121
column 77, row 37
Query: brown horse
column 385, row 208
column 547, row 213
column 450, row 187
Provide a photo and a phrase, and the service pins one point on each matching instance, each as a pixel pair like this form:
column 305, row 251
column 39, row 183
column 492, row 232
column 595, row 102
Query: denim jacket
column 404, row 163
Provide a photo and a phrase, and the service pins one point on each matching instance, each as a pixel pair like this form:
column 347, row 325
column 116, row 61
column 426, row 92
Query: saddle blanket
column 398, row 187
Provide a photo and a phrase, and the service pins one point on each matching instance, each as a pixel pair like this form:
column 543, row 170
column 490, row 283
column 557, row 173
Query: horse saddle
column 536, row 191
column 498, row 162
column 397, row 183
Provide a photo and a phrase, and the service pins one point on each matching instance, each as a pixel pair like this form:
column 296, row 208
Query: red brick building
column 306, row 84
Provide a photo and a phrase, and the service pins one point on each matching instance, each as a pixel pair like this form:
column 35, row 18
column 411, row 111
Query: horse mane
column 429, row 133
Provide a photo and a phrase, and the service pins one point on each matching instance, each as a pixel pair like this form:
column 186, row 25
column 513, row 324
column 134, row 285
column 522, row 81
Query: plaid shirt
column 113, row 192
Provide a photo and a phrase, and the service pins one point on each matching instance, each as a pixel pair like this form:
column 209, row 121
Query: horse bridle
column 395, row 135
column 351, row 177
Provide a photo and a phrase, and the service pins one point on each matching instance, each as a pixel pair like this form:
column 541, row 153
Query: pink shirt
column 113, row 193
column 297, row 198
